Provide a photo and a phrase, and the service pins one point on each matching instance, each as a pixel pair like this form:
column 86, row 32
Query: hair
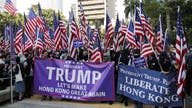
column 26, row 54
column 17, row 59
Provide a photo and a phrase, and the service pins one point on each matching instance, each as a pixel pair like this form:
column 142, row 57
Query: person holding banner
column 28, row 70
column 124, row 59
column 133, row 62
column 167, row 67
column 45, row 54
column 165, row 63
column 107, row 59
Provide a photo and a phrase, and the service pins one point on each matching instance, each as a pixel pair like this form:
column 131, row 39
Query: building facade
column 93, row 9
column 96, row 9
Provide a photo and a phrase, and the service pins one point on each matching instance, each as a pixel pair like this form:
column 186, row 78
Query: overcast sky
column 24, row 5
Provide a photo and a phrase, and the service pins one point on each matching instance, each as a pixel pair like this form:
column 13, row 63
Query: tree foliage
column 48, row 15
column 167, row 8
column 5, row 18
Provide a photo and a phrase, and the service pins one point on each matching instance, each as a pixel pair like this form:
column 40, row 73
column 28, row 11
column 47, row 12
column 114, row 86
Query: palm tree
column 129, row 7
column 167, row 9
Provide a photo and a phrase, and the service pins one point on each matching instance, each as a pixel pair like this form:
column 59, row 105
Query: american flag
column 96, row 53
column 109, row 31
column 146, row 25
column 138, row 41
column 55, row 21
column 10, row 7
column 64, row 36
column 40, row 41
column 146, row 48
column 73, row 29
column 138, row 26
column 83, row 26
column 40, row 19
column 121, row 36
column 48, row 40
column 60, row 36
column 55, row 25
column 166, row 42
column 12, row 49
column 7, row 35
column 130, row 35
column 90, row 34
column 30, row 26
column 18, row 38
column 26, row 43
column 51, row 33
column 181, row 51
column 160, row 39
column 117, row 26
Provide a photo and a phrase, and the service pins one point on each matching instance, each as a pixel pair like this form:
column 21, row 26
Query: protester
column 28, row 70
column 2, row 71
column 19, row 79
column 63, row 55
column 165, row 63
column 85, row 55
column 153, row 63
column 124, row 59
column 45, row 54
column 136, row 54
column 107, row 59
column 189, row 73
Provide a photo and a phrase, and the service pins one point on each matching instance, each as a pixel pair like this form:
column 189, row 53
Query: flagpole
column 121, row 49
column 156, row 56
column 150, row 43
column 11, row 62
column 88, row 50
column 165, row 37
column 153, row 51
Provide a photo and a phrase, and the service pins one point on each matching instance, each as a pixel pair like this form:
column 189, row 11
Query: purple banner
column 74, row 80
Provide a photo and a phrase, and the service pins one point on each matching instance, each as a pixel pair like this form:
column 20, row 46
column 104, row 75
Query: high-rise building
column 56, row 5
column 96, row 9
column 93, row 9
column 1, row 5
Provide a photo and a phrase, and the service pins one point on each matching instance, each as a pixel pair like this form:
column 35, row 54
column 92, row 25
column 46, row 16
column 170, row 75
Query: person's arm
column 25, row 64
column 16, row 69
column 165, row 72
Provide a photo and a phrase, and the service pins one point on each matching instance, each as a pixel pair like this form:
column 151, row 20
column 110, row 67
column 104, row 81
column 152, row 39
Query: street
column 35, row 102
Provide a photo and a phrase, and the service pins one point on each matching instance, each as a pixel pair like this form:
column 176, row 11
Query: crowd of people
column 22, row 72
column 23, row 68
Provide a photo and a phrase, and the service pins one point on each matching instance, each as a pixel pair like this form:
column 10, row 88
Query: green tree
column 48, row 15
column 129, row 7
column 186, row 9
column 5, row 18
column 168, row 11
